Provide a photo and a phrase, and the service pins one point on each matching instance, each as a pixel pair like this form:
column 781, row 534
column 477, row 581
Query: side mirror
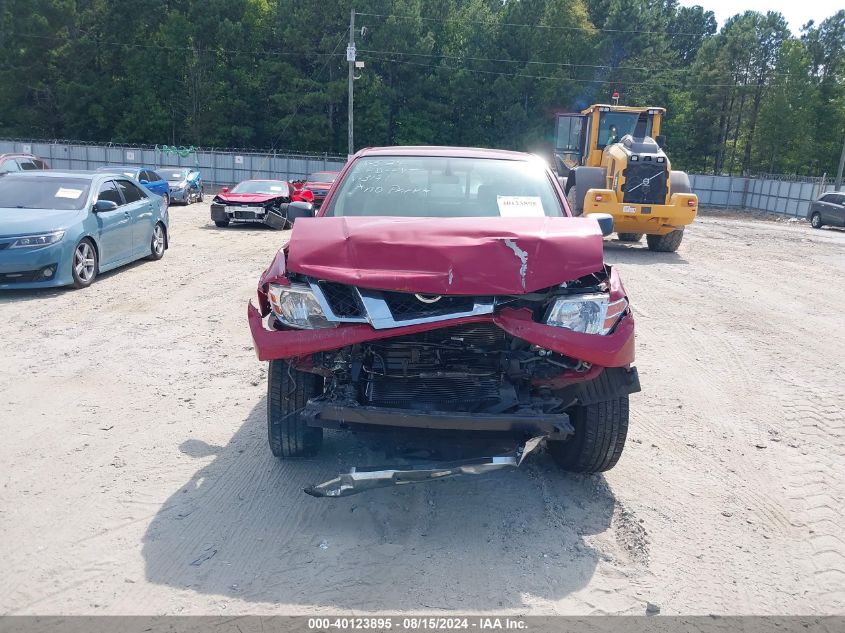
column 660, row 139
column 104, row 205
column 224, row 189
column 144, row 182
column 300, row 209
column 605, row 221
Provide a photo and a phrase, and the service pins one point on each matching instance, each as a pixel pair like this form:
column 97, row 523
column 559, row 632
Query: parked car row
column 61, row 227
column 179, row 184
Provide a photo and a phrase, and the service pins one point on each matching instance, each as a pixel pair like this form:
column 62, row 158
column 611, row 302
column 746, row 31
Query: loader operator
column 613, row 136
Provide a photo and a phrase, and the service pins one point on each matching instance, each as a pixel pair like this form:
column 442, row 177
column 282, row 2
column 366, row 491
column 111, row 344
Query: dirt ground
column 136, row 476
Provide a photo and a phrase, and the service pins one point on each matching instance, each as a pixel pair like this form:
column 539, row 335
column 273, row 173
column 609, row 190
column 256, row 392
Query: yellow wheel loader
column 609, row 159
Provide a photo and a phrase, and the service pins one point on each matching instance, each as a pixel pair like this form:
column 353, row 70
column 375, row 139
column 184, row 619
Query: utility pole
column 350, row 57
column 838, row 182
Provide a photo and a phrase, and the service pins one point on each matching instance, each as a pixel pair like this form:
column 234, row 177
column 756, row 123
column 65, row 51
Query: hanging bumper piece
column 359, row 480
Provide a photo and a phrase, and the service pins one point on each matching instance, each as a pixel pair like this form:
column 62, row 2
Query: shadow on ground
column 242, row 528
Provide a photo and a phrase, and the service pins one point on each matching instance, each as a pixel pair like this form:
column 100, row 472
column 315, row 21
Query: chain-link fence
column 218, row 166
column 786, row 195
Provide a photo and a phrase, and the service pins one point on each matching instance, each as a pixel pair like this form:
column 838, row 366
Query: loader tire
column 583, row 179
column 288, row 391
column 629, row 237
column 668, row 243
column 600, row 432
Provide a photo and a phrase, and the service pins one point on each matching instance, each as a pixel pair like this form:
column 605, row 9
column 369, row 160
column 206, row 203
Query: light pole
column 350, row 57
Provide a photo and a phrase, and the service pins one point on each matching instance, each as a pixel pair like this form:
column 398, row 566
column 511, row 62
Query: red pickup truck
column 447, row 288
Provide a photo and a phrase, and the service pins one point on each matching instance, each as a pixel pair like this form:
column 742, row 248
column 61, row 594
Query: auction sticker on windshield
column 73, row 194
column 520, row 206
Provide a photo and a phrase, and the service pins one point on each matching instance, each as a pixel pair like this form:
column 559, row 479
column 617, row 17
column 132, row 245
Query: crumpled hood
column 250, row 198
column 472, row 256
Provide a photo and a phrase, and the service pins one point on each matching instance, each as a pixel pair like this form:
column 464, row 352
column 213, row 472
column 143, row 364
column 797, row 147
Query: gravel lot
column 136, row 477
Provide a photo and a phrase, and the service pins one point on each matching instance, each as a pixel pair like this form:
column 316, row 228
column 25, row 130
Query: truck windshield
column 614, row 125
column 439, row 186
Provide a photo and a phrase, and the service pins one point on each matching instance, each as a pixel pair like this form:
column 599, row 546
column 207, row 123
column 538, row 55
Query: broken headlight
column 296, row 306
column 588, row 313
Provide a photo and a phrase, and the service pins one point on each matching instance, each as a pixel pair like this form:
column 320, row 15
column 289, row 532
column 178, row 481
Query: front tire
column 288, row 391
column 158, row 243
column 816, row 220
column 84, row 265
column 600, row 432
column 222, row 224
column 629, row 237
column 668, row 243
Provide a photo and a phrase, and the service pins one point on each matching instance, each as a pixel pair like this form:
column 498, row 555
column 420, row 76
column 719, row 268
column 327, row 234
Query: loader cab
column 581, row 138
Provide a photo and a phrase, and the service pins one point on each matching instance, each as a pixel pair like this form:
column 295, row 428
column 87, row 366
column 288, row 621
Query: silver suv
column 829, row 210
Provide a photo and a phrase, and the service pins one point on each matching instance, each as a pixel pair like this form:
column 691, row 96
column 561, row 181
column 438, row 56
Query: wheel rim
column 816, row 220
column 84, row 262
column 158, row 240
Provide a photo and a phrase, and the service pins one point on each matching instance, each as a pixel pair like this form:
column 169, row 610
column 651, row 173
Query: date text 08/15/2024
column 418, row 623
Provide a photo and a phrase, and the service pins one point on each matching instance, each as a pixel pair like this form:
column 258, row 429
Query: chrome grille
column 404, row 306
column 384, row 309
column 344, row 300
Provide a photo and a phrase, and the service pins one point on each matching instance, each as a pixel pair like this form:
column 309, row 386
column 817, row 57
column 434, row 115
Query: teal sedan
column 62, row 228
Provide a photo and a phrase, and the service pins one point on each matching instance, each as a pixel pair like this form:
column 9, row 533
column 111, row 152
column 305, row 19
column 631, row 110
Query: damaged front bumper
column 613, row 350
column 256, row 213
column 359, row 480
column 329, row 414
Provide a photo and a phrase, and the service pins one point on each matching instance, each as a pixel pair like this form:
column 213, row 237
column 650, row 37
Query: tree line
column 748, row 97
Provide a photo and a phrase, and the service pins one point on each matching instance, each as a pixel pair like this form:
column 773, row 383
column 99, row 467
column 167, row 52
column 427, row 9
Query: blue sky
column 796, row 12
